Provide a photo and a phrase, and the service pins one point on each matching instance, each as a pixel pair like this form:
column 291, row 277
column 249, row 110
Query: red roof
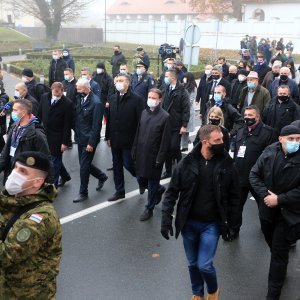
column 150, row 7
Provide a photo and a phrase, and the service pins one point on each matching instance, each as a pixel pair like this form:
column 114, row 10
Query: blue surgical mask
column 167, row 81
column 292, row 147
column 55, row 57
column 123, row 72
column 218, row 98
column 15, row 117
column 67, row 77
column 65, row 54
column 251, row 85
column 138, row 71
column 84, row 77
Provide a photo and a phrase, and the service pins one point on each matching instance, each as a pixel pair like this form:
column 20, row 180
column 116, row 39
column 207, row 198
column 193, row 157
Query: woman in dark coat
column 149, row 150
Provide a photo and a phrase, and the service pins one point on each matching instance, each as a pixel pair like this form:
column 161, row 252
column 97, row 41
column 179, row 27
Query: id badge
column 241, row 152
column 12, row 151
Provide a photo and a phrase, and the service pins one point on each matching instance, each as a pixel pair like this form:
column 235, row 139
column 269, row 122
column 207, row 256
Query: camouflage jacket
column 31, row 252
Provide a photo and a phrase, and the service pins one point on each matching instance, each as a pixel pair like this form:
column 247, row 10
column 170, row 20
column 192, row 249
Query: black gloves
column 166, row 226
column 229, row 235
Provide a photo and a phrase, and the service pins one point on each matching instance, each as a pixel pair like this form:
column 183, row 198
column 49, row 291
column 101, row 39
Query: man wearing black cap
column 30, row 231
column 141, row 81
column 68, row 59
column 36, row 90
column 105, row 82
column 276, row 179
column 237, row 86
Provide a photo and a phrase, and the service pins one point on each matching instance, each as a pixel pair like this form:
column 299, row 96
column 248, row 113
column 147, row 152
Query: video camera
column 168, row 51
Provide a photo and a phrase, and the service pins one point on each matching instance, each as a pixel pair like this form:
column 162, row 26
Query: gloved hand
column 166, row 225
column 230, row 235
column 165, row 230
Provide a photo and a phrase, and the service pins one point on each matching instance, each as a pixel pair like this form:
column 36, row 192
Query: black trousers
column 87, row 168
column 175, row 152
column 275, row 235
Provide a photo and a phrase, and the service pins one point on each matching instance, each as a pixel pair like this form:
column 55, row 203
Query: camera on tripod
column 167, row 51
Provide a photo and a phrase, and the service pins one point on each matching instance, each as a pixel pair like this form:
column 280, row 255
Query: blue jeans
column 200, row 241
column 121, row 157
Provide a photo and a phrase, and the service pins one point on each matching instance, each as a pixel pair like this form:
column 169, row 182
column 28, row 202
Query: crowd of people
column 249, row 109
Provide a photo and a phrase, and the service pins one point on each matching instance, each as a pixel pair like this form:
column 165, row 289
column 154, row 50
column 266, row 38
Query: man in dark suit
column 70, row 85
column 124, row 113
column 95, row 88
column 88, row 123
column 210, row 87
column 54, row 112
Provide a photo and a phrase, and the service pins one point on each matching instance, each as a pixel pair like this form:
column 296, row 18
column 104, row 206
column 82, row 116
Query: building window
column 259, row 14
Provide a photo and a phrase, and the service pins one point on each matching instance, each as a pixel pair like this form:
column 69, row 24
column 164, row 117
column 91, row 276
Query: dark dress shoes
column 101, row 183
column 115, row 197
column 80, row 198
column 61, row 181
column 146, row 215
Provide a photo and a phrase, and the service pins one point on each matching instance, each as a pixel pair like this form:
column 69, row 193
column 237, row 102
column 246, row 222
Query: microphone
column 6, row 107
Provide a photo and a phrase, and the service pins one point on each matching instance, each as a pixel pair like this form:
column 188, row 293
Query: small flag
column 36, row 218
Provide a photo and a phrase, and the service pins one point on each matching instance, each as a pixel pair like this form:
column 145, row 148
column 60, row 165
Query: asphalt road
column 109, row 254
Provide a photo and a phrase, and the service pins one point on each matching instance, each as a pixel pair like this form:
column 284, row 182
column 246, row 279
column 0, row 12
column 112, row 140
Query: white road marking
column 102, row 205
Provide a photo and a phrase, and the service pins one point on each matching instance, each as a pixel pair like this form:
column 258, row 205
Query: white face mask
column 99, row 71
column 14, row 183
column 241, row 78
column 120, row 86
column 184, row 80
column 169, row 66
column 152, row 103
column 208, row 72
column 17, row 94
column 24, row 79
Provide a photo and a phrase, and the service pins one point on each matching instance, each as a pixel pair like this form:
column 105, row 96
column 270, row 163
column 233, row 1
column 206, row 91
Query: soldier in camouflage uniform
column 30, row 251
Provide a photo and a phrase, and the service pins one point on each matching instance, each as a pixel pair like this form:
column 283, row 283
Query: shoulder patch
column 36, row 218
column 23, row 235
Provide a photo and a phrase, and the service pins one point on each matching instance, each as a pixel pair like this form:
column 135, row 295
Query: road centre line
column 102, row 205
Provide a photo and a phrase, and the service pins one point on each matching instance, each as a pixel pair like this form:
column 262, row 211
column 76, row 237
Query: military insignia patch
column 36, row 218
column 23, row 235
column 30, row 161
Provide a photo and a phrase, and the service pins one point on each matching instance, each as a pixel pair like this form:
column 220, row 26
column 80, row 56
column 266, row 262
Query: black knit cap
column 243, row 72
column 100, row 65
column 289, row 129
column 35, row 160
column 27, row 72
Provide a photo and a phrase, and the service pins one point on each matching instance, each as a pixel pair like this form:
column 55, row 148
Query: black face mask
column 276, row 74
column 214, row 122
column 217, row 148
column 250, row 121
column 116, row 52
column 232, row 75
column 215, row 77
column 284, row 77
column 283, row 98
column 82, row 95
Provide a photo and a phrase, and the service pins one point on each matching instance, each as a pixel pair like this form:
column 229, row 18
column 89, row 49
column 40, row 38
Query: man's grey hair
column 218, row 68
column 84, row 82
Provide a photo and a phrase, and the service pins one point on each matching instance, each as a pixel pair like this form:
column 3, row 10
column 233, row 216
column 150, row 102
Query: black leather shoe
column 61, row 182
column 159, row 195
column 146, row 215
column 101, row 183
column 80, row 198
column 115, row 197
column 165, row 175
column 142, row 190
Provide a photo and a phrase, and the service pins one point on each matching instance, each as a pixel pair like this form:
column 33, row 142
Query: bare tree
column 52, row 13
column 218, row 7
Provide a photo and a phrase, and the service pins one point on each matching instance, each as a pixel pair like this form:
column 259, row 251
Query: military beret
column 35, row 160
column 289, row 129
column 27, row 72
column 141, row 63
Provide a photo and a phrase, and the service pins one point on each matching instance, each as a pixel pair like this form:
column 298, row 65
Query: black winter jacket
column 56, row 70
column 178, row 106
column 106, row 84
column 279, row 115
column 285, row 184
column 183, row 187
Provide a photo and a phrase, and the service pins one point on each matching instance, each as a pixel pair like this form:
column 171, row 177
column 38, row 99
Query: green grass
column 10, row 35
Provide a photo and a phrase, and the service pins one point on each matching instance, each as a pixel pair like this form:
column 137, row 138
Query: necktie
column 213, row 86
column 82, row 101
column 53, row 102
